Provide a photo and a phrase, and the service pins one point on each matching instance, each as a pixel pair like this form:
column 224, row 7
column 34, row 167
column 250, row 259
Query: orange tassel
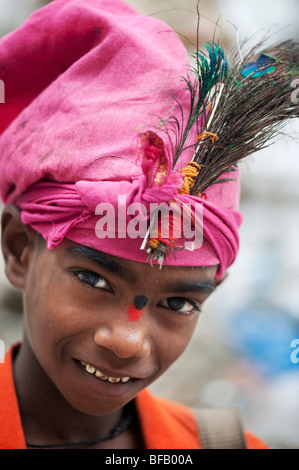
column 213, row 137
column 190, row 172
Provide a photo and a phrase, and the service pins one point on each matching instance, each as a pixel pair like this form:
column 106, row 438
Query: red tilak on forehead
column 136, row 309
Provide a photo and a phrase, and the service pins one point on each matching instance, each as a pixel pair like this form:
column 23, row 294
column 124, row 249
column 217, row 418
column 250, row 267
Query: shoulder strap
column 220, row 428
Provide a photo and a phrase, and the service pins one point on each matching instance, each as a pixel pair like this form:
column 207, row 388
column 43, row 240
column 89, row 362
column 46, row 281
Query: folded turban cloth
column 87, row 83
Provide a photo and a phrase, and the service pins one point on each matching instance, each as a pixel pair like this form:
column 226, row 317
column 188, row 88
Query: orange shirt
column 164, row 424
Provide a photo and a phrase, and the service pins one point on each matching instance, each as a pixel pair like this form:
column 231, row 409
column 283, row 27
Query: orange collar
column 165, row 424
column 11, row 430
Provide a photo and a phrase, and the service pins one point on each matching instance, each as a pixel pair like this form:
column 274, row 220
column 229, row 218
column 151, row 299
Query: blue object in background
column 264, row 335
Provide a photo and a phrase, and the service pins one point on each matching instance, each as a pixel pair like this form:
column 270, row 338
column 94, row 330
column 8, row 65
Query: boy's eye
column 180, row 305
column 93, row 279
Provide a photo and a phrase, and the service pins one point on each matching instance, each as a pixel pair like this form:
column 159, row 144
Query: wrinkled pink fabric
column 68, row 210
column 82, row 79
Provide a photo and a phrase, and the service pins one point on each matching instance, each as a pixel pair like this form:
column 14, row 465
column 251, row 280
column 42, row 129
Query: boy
column 97, row 129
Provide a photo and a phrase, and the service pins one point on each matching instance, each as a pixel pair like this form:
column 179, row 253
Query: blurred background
column 241, row 351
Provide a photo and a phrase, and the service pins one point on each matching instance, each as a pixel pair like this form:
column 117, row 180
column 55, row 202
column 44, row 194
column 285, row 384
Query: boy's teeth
column 100, row 375
column 113, row 380
column 125, row 379
column 90, row 369
column 97, row 373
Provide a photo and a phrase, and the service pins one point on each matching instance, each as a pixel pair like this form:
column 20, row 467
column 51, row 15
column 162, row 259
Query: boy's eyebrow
column 101, row 260
column 206, row 287
column 98, row 258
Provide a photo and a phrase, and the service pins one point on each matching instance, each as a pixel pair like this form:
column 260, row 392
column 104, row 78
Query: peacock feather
column 238, row 106
column 201, row 82
column 254, row 104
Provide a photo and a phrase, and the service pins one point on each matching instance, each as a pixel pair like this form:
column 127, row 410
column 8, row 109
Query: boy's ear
column 18, row 241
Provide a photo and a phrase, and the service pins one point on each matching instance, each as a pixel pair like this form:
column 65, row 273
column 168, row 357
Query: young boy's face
column 77, row 305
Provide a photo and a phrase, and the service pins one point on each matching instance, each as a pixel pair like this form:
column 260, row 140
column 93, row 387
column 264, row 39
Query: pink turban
column 83, row 79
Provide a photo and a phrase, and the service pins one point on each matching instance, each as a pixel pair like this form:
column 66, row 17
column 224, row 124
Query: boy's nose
column 126, row 339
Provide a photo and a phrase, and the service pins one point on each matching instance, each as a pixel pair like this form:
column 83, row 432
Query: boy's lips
column 108, row 375
column 92, row 370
